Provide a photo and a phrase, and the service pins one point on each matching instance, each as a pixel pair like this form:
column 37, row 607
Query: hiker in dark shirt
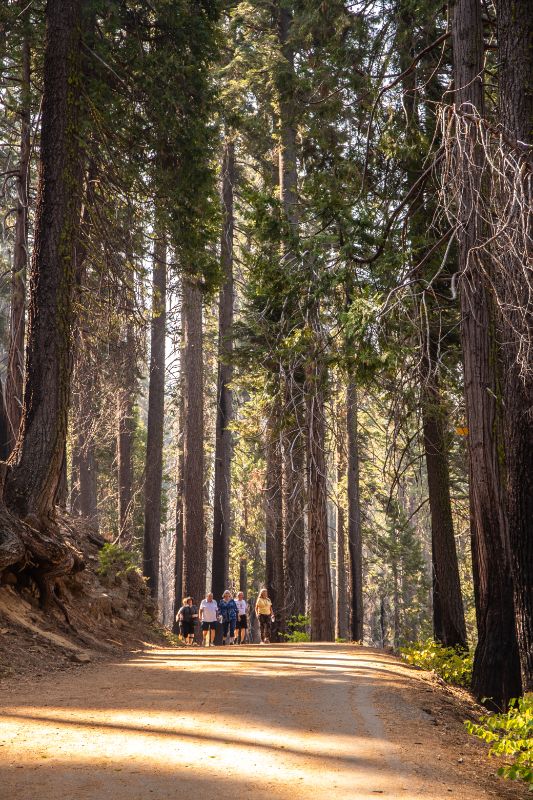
column 187, row 616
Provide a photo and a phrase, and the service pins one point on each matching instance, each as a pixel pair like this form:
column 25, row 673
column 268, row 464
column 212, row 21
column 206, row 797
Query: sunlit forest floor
column 276, row 722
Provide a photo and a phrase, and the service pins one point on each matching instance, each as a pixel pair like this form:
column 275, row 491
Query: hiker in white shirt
column 242, row 618
column 208, row 618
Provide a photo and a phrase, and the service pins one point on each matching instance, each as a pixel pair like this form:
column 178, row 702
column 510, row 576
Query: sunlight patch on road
column 323, row 765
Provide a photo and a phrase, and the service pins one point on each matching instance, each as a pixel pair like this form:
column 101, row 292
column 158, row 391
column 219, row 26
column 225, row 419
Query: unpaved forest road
column 278, row 722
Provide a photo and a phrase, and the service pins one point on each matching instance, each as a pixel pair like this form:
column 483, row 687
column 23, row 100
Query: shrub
column 510, row 735
column 452, row 664
column 114, row 560
column 297, row 629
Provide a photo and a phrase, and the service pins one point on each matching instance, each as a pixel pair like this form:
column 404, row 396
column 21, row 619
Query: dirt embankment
column 96, row 618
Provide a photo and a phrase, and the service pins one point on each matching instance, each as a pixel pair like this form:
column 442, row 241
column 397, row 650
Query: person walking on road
column 228, row 611
column 263, row 609
column 242, row 618
column 186, row 617
column 208, row 618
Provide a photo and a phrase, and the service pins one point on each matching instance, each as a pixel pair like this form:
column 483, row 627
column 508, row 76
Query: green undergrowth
column 510, row 736
column 298, row 629
column 451, row 664
column 114, row 560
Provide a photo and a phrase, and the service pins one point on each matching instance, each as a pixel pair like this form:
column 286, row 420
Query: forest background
column 265, row 309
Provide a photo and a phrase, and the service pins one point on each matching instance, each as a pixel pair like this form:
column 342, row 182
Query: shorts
column 242, row 623
column 187, row 627
column 209, row 626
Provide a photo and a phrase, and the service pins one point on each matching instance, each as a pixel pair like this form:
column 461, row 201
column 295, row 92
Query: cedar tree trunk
column 293, row 498
column 342, row 588
column 515, row 46
column 178, row 535
column 17, row 326
column 223, row 443
column 448, row 613
column 36, row 462
column 320, row 596
column 156, row 417
column 496, row 673
column 294, row 437
column 194, row 546
column 355, row 539
column 274, row 521
column 125, row 432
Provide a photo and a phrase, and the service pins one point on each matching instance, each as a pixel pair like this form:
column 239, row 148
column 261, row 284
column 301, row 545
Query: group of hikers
column 230, row 612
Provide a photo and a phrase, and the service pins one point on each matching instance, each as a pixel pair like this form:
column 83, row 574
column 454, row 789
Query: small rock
column 80, row 658
column 3, row 631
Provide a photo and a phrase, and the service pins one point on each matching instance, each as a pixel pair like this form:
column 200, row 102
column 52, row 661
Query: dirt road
column 279, row 722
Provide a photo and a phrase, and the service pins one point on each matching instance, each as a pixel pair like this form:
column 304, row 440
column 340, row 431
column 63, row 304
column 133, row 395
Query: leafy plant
column 297, row 629
column 452, row 664
column 510, row 735
column 114, row 560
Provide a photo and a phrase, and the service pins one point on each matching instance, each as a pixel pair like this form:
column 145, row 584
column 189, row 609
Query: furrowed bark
column 178, row 531
column 36, row 462
column 223, row 443
column 125, row 432
column 515, row 47
column 156, row 416
column 355, row 540
column 274, row 521
column 293, row 436
column 320, row 594
column 293, row 441
column 496, row 673
column 342, row 588
column 17, row 327
column 448, row 613
column 194, row 554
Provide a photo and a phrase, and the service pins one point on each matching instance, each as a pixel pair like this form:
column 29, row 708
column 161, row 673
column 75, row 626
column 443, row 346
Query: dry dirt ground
column 292, row 721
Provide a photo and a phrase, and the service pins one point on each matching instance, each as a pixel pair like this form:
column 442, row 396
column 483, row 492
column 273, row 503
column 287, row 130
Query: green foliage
column 297, row 628
column 114, row 560
column 451, row 664
column 510, row 735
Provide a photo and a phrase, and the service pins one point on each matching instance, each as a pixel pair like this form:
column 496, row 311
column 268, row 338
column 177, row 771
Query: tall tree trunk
column 83, row 491
column 274, row 520
column 17, row 327
column 342, row 589
column 496, row 673
column 37, row 459
column 293, row 439
column 243, row 576
column 294, row 436
column 4, row 427
column 178, row 537
column 84, row 494
column 125, row 433
column 320, row 595
column 396, row 611
column 223, row 443
column 448, row 613
column 355, row 539
column 194, row 546
column 515, row 44
column 156, row 417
